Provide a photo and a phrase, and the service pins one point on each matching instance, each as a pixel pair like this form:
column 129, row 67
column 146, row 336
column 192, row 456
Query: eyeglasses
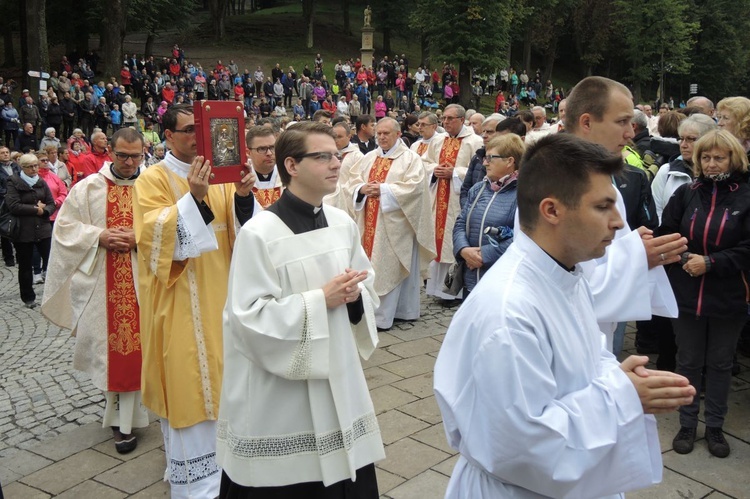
column 263, row 149
column 450, row 118
column 124, row 157
column 688, row 139
column 321, row 157
column 44, row 160
column 188, row 130
column 30, row 167
column 490, row 157
column 420, row 125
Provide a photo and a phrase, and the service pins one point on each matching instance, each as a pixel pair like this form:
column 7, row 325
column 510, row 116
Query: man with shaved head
column 93, row 161
column 703, row 103
column 392, row 209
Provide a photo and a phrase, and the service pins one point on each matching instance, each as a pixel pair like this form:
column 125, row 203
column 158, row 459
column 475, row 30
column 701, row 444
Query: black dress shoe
column 10, row 263
column 29, row 304
column 128, row 444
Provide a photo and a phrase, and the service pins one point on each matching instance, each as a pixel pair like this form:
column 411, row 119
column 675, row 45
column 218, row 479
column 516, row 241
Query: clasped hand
column 117, row 239
column 344, row 288
column 659, row 391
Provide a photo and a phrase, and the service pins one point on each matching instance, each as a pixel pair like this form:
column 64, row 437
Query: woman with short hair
column 710, row 284
column 30, row 199
column 484, row 229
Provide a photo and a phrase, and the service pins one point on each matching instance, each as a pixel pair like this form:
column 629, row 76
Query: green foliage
column 648, row 29
column 155, row 15
column 475, row 33
column 721, row 59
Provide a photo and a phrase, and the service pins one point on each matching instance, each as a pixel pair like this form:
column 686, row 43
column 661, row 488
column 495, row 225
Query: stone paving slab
column 51, row 440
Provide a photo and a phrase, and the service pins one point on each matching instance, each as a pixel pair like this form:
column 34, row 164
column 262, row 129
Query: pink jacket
column 57, row 187
column 380, row 109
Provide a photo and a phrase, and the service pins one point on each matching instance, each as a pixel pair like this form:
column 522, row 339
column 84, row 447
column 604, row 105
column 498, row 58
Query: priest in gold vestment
column 185, row 229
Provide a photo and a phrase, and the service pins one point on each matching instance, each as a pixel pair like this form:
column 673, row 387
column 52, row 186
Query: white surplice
column 529, row 395
column 294, row 403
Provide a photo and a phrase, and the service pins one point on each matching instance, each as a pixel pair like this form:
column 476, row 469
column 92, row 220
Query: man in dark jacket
column 69, row 111
column 642, row 137
column 27, row 140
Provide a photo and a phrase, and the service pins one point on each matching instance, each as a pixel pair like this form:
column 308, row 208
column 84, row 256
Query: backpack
column 649, row 166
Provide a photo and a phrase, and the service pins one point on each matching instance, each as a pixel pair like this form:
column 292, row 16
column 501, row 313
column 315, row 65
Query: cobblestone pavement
column 41, row 396
column 52, row 443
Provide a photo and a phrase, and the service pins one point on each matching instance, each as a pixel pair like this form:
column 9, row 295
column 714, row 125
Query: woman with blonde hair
column 30, row 199
column 733, row 115
column 713, row 213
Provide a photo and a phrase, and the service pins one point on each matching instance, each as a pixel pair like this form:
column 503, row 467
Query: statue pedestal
column 367, row 49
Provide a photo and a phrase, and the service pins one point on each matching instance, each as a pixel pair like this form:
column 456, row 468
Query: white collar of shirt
column 178, row 167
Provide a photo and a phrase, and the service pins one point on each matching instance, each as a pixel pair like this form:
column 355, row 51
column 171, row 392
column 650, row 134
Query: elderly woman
column 30, row 199
column 733, row 114
column 713, row 213
column 80, row 139
column 484, row 229
column 680, row 170
column 49, row 139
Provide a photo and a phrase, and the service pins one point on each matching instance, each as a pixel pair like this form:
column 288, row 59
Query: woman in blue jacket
column 484, row 229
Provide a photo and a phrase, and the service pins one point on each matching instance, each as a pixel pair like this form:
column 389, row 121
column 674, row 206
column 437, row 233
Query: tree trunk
column 308, row 12
column 425, row 47
column 217, row 9
column 37, row 51
column 527, row 51
column 112, row 36
column 387, row 40
column 345, row 11
column 149, row 50
column 464, row 83
column 10, row 56
column 549, row 62
column 637, row 91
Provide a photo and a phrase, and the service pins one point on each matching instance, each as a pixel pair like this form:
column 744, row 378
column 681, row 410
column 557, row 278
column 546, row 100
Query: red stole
column 378, row 173
column 422, row 147
column 448, row 154
column 123, row 332
column 266, row 197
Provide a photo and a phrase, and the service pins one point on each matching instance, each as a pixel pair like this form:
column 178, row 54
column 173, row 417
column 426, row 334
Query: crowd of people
column 349, row 206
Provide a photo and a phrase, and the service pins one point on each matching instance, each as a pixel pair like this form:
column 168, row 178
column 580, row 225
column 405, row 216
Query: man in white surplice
column 628, row 282
column 530, row 397
column 389, row 191
column 296, row 416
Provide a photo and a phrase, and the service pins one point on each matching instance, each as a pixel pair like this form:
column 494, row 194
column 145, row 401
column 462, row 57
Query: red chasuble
column 378, row 173
column 123, row 326
column 448, row 154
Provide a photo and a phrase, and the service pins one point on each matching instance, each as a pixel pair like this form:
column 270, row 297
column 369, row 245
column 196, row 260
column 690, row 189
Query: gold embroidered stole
column 448, row 154
column 266, row 197
column 378, row 173
column 123, row 326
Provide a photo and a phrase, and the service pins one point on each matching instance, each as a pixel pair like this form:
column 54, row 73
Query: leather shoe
column 683, row 442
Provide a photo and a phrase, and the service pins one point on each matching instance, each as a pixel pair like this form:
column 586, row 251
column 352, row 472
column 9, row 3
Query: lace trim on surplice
column 185, row 246
column 300, row 365
column 298, row 443
column 157, row 240
column 192, row 470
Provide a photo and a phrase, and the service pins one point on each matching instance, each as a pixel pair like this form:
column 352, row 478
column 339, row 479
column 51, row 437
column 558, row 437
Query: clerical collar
column 114, row 173
column 566, row 269
column 297, row 214
column 263, row 177
column 175, row 165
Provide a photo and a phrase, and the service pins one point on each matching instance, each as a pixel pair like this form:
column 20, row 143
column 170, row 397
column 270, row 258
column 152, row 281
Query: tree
column 34, row 48
column 9, row 24
column 308, row 14
column 655, row 35
column 721, row 60
column 112, row 35
column 475, row 34
column 592, row 30
column 152, row 16
column 218, row 12
column 392, row 16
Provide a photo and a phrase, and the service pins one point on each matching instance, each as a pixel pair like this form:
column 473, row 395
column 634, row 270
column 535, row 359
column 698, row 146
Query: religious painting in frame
column 220, row 137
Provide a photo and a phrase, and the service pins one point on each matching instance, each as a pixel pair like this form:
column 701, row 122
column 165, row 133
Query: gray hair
column 429, row 116
column 394, row 123
column 640, row 120
column 460, row 110
column 701, row 123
